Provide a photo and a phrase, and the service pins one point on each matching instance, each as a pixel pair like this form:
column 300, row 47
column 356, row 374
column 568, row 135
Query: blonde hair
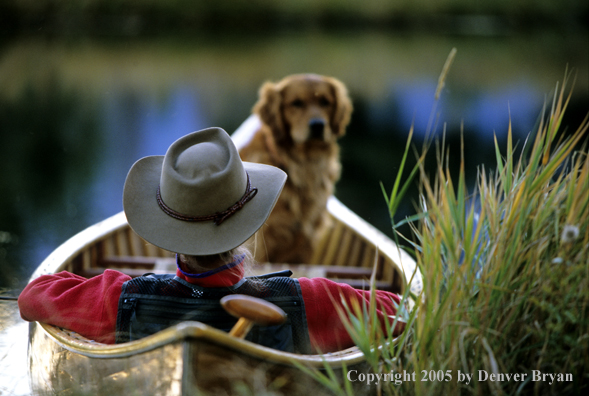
column 198, row 264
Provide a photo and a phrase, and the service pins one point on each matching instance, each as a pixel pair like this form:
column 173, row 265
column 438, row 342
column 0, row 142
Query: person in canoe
column 201, row 202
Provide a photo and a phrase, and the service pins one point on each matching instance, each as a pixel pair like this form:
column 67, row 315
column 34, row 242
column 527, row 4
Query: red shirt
column 89, row 306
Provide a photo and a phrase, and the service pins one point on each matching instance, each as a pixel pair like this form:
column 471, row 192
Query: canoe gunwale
column 191, row 330
column 402, row 259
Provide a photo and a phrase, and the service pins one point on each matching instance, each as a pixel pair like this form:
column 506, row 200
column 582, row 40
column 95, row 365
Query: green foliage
column 506, row 273
column 505, row 269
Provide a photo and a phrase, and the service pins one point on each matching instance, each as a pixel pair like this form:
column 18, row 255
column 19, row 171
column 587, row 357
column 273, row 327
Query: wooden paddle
column 250, row 311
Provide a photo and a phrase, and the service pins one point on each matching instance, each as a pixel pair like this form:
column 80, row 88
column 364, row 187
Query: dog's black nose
column 316, row 126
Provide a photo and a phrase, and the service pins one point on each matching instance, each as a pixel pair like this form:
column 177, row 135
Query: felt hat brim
column 148, row 220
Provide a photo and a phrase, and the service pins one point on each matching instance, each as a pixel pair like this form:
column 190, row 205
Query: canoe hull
column 56, row 370
column 187, row 366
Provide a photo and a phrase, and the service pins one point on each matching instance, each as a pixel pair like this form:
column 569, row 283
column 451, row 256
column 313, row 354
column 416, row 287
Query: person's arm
column 86, row 306
column 326, row 330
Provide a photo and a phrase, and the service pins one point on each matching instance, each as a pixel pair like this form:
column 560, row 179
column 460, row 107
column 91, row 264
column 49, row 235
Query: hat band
column 218, row 217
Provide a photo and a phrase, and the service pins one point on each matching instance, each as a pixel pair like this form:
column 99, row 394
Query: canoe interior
column 191, row 355
column 344, row 255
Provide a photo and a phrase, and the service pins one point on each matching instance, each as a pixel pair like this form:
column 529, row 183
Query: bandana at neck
column 219, row 276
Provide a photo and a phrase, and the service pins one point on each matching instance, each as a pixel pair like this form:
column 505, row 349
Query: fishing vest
column 151, row 303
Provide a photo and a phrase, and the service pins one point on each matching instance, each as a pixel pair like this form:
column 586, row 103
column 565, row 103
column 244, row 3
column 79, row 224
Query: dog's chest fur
column 311, row 177
column 312, row 172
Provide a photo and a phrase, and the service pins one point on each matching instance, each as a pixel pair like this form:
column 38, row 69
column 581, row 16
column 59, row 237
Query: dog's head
column 305, row 108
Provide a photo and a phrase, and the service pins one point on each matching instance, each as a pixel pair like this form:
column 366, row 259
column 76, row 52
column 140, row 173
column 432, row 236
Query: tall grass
column 506, row 268
column 506, row 274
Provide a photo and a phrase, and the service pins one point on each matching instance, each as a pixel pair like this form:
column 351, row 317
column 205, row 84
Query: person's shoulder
column 115, row 275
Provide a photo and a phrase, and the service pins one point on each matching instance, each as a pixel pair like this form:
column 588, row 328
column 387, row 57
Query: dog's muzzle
column 316, row 127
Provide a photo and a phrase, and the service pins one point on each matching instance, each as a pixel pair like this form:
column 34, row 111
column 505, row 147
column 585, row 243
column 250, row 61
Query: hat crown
column 190, row 164
column 202, row 174
column 199, row 198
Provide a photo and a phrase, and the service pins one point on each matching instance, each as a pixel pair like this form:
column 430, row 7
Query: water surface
column 76, row 112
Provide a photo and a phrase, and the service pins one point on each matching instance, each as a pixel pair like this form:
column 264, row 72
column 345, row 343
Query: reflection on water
column 13, row 351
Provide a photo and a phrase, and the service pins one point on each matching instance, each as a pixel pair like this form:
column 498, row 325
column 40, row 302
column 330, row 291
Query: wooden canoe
column 192, row 357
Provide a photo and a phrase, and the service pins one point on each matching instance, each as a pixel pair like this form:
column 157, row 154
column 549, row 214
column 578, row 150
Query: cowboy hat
column 200, row 198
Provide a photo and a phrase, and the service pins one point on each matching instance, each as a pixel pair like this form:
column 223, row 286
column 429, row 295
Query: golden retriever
column 302, row 117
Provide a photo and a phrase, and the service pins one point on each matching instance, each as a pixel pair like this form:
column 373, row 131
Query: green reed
column 506, row 273
column 506, row 268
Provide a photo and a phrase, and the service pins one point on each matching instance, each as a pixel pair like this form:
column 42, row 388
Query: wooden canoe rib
column 192, row 357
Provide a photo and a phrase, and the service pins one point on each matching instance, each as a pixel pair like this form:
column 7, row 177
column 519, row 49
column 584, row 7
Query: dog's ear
column 269, row 110
column 343, row 107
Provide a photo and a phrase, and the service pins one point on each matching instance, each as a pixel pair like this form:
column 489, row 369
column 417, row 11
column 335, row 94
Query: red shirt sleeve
column 326, row 330
column 87, row 306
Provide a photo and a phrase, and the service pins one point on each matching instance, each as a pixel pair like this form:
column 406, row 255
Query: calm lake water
column 77, row 112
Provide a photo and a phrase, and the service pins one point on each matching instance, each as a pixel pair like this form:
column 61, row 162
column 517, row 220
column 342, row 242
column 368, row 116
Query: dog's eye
column 297, row 103
column 324, row 102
